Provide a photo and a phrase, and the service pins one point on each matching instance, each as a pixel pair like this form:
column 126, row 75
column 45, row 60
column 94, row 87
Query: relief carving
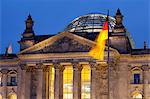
column 30, row 68
column 62, row 45
column 77, row 66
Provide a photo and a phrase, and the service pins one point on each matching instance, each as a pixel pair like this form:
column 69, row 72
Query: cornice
column 70, row 55
column 9, row 62
column 133, row 57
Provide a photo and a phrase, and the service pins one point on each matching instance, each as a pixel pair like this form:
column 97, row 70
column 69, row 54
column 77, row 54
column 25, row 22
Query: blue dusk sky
column 52, row 16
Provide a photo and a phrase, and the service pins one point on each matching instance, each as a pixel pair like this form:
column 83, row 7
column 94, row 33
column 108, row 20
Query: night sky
column 52, row 16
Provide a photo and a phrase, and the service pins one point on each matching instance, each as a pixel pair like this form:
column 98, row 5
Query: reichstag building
column 59, row 66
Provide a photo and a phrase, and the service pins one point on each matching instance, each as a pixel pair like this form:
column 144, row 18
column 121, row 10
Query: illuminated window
column 137, row 95
column 85, row 82
column 136, row 78
column 12, row 78
column 51, row 83
column 12, row 96
column 68, row 83
column 137, row 75
column 13, row 81
column 0, row 96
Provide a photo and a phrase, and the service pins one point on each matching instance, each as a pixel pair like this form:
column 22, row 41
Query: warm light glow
column 0, row 80
column 0, row 96
column 68, row 83
column 85, row 82
column 12, row 96
column 137, row 95
column 51, row 83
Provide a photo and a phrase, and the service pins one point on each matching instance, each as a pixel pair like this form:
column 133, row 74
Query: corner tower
column 119, row 27
column 28, row 35
column 120, row 38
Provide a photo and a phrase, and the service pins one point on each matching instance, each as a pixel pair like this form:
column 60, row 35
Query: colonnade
column 34, row 80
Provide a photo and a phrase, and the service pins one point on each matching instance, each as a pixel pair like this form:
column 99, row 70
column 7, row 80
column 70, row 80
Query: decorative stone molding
column 64, row 44
column 136, row 68
column 4, row 71
column 45, row 68
column 30, row 68
column 145, row 67
column 9, row 62
column 51, row 40
column 93, row 65
column 23, row 66
column 77, row 66
column 39, row 65
column 59, row 67
column 103, row 70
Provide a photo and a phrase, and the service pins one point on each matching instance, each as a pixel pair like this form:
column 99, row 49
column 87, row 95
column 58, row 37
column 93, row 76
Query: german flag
column 97, row 51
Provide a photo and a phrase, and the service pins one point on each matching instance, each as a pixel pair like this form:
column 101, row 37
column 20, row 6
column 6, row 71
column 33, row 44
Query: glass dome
column 89, row 23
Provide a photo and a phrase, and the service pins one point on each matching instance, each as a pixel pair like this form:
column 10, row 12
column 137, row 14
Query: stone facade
column 28, row 74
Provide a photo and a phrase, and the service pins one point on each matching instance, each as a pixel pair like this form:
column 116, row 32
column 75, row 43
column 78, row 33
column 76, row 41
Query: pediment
column 61, row 43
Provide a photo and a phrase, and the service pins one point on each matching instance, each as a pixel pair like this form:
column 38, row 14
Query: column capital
column 45, row 68
column 58, row 83
column 23, row 66
column 59, row 67
column 77, row 66
column 30, row 68
column 93, row 65
column 145, row 67
column 39, row 65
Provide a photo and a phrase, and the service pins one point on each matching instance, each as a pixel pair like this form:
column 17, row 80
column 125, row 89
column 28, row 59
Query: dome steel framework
column 89, row 23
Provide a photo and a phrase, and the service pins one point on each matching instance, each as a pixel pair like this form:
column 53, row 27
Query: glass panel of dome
column 68, row 83
column 82, row 23
column 85, row 82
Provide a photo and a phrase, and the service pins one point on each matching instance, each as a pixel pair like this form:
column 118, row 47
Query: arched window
column 85, row 82
column 136, row 77
column 12, row 78
column 12, row 96
column 137, row 95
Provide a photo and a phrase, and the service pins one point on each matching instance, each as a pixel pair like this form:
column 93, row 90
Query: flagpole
column 108, row 60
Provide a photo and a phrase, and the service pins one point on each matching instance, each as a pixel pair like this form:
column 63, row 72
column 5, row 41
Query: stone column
column 19, row 83
column 39, row 81
column 123, row 80
column 44, row 73
column 4, row 82
column 130, row 80
column 93, row 80
column 103, row 81
column 77, row 81
column 29, row 71
column 113, row 80
column 22, row 80
column 145, row 81
column 58, row 83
